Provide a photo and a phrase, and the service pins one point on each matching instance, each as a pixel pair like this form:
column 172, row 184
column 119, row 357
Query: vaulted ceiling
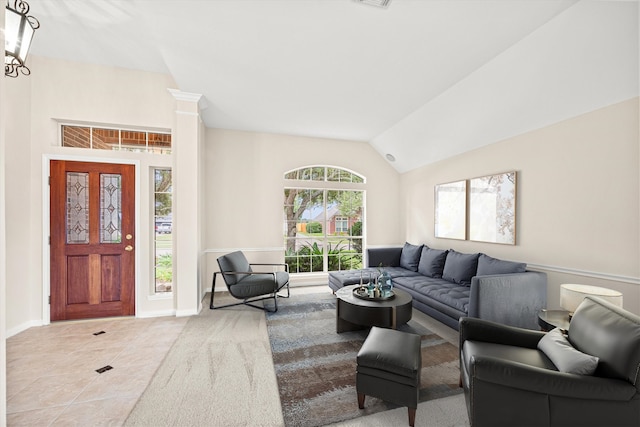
column 422, row 80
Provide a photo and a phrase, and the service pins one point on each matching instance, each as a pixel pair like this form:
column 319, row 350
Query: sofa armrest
column 387, row 257
column 511, row 299
column 544, row 381
column 473, row 329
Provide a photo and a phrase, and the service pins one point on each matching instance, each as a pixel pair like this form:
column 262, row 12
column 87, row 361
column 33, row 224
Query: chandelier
column 18, row 32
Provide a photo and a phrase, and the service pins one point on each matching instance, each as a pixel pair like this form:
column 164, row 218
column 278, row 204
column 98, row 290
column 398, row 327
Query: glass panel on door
column 77, row 207
column 110, row 208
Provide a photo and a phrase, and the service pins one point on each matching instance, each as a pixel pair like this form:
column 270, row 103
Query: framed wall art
column 450, row 210
column 492, row 208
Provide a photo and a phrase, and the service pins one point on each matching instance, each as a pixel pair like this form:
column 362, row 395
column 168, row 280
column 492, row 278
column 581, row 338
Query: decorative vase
column 384, row 281
column 370, row 287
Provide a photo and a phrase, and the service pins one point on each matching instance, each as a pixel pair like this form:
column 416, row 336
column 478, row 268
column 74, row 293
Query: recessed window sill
column 160, row 296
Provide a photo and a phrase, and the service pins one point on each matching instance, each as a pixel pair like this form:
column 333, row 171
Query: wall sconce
column 18, row 32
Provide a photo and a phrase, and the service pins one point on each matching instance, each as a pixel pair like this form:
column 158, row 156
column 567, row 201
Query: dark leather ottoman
column 389, row 364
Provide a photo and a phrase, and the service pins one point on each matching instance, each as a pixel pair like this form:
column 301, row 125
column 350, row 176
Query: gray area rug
column 315, row 367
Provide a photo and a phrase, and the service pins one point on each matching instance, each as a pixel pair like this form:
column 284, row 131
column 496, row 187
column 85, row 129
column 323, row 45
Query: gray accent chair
column 508, row 381
column 248, row 285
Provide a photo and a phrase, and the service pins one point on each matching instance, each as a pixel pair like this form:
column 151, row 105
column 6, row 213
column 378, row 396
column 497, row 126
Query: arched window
column 323, row 217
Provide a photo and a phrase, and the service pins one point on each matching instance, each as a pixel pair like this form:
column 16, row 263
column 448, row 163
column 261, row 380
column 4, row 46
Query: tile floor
column 51, row 370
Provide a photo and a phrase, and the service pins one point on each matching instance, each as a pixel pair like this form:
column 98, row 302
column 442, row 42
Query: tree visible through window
column 323, row 224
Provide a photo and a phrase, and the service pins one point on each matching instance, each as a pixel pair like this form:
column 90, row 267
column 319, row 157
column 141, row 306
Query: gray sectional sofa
column 448, row 285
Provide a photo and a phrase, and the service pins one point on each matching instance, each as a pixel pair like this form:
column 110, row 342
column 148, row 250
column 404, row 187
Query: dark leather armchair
column 507, row 381
column 250, row 286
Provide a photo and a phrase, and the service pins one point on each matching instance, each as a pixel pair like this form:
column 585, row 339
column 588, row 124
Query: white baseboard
column 159, row 313
column 185, row 313
column 23, row 327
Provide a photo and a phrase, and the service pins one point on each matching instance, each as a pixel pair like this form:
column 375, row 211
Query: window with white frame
column 323, row 217
column 342, row 224
column 163, row 229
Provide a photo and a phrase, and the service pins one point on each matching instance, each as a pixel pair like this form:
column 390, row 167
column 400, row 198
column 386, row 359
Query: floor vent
column 104, row 369
column 99, row 333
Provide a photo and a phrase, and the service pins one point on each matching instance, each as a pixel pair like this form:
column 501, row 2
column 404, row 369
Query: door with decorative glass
column 92, row 240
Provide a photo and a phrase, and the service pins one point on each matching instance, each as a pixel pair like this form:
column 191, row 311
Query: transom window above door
column 102, row 138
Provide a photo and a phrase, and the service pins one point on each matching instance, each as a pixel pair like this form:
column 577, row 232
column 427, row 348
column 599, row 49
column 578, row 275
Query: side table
column 550, row 319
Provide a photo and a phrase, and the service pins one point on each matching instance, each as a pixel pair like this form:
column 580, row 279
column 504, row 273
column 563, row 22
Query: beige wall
column 578, row 186
column 3, row 254
column 60, row 90
column 19, row 233
column 578, row 208
column 66, row 91
column 244, row 190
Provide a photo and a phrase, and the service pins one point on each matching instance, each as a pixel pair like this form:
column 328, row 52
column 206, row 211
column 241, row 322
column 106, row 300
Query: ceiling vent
column 377, row 3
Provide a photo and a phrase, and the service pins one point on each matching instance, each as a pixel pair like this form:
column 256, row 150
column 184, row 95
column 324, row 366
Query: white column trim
column 189, row 97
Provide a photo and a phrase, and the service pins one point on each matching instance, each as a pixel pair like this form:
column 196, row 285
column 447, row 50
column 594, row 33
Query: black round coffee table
column 353, row 313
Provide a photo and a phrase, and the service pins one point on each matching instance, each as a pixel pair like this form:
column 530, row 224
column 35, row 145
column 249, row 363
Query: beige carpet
column 220, row 372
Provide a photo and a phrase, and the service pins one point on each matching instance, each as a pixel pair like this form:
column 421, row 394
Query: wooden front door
column 92, row 240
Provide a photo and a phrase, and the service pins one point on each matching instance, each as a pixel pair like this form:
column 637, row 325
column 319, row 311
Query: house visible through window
column 116, row 139
column 323, row 215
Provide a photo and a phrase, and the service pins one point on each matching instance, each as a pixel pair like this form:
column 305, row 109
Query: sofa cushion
column 339, row 279
column 566, row 358
column 460, row 267
column 410, row 256
column 432, row 262
column 488, row 265
column 448, row 297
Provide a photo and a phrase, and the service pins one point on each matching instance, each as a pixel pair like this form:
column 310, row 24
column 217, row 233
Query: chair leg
column 249, row 302
column 213, row 288
column 361, row 400
column 412, row 411
column 288, row 292
column 412, row 416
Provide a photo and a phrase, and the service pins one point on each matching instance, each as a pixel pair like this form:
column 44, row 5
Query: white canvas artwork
column 492, row 208
column 450, row 210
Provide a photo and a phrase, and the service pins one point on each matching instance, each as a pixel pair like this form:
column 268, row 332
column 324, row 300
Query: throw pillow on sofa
column 410, row 256
column 432, row 262
column 566, row 358
column 488, row 265
column 459, row 267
